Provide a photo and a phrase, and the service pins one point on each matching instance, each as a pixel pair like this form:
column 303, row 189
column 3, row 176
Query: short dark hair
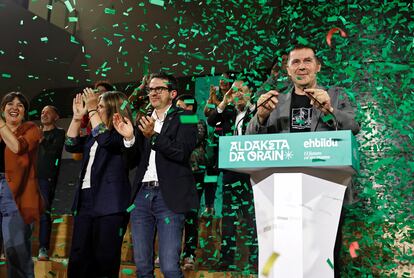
column 9, row 98
column 191, row 98
column 104, row 83
column 172, row 83
column 302, row 46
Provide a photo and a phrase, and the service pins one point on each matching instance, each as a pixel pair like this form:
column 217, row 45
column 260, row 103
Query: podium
column 299, row 181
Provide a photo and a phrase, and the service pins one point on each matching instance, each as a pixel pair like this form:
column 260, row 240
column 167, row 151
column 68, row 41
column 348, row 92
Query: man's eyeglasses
column 156, row 90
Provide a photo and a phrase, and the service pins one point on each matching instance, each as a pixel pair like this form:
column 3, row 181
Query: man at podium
column 305, row 107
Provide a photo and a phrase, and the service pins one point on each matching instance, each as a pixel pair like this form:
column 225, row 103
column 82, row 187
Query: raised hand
column 123, row 126
column 78, row 107
column 320, row 100
column 227, row 98
column 146, row 125
column 91, row 99
column 265, row 105
column 213, row 96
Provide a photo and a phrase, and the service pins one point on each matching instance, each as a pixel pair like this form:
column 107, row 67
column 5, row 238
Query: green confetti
column 167, row 220
column 189, row 119
column 58, row 220
column 330, row 263
column 124, row 104
column 213, row 71
column 327, row 118
column 189, row 101
column 302, row 40
column 210, row 179
column 109, row 11
column 69, row 6
column 127, row 271
column 130, row 208
column 157, row 2
column 6, row 75
column 33, row 112
column 44, row 39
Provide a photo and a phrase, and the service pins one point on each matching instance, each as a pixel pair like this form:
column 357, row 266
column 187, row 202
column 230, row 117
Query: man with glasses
column 306, row 107
column 164, row 188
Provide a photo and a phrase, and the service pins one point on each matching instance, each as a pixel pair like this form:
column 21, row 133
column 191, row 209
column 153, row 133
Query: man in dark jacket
column 164, row 188
column 305, row 107
column 48, row 164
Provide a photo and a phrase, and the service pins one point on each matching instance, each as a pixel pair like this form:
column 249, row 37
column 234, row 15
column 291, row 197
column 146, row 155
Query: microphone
column 321, row 105
column 315, row 100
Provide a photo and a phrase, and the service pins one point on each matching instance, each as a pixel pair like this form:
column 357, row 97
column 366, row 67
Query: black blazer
column 225, row 123
column 110, row 185
column 173, row 148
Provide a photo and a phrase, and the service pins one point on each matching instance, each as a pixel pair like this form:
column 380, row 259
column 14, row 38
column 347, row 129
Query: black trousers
column 96, row 242
column 191, row 218
column 338, row 246
column 238, row 209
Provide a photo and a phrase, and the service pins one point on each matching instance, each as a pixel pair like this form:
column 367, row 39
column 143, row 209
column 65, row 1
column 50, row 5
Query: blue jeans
column 47, row 189
column 150, row 211
column 16, row 235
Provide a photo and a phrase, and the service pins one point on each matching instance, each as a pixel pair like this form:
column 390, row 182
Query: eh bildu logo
column 260, row 150
column 320, row 143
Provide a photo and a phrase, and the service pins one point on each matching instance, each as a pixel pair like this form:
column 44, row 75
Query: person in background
column 216, row 95
column 139, row 99
column 20, row 200
column 198, row 162
column 48, row 164
column 231, row 117
column 104, row 192
column 164, row 187
column 103, row 86
column 278, row 78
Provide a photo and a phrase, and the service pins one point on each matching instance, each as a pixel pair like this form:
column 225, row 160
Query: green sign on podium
column 306, row 149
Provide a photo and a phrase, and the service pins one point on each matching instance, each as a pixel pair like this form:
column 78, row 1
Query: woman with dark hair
column 103, row 194
column 20, row 201
column 103, row 86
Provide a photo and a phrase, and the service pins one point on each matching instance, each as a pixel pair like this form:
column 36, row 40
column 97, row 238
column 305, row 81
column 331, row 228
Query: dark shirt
column 50, row 153
column 300, row 113
column 2, row 160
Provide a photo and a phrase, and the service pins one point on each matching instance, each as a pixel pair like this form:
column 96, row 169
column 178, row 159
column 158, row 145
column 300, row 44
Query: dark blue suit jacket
column 173, row 148
column 110, row 186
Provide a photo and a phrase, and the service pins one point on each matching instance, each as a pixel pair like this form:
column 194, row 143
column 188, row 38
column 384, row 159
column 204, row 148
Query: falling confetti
column 333, row 31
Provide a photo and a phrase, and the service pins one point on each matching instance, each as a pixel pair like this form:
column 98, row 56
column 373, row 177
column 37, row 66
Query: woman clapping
column 103, row 193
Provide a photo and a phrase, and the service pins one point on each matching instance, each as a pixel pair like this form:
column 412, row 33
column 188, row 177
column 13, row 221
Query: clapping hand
column 78, row 107
column 91, row 99
column 123, row 126
column 213, row 96
column 146, row 125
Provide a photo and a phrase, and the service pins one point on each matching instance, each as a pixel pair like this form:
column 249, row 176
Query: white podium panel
column 297, row 217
